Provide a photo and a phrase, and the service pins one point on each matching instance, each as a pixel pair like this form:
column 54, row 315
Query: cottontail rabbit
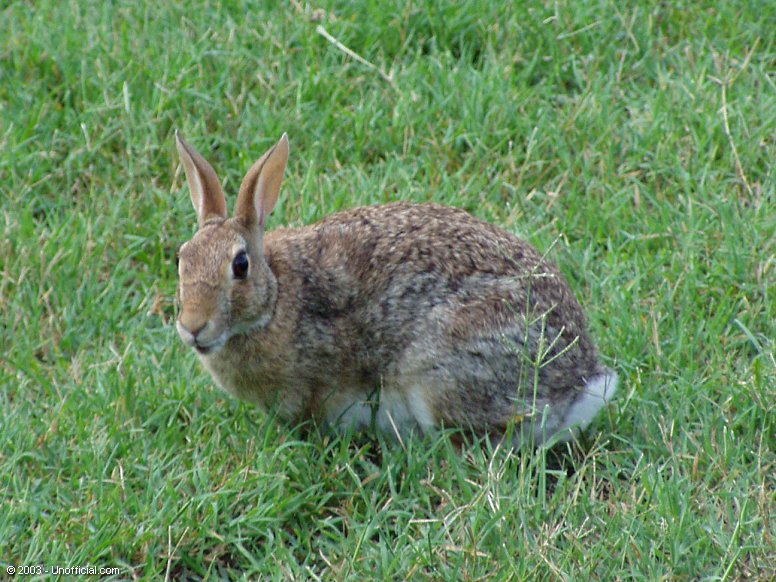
column 408, row 316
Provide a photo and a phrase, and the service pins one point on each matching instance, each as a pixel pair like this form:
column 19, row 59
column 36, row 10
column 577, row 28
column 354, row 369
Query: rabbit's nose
column 195, row 332
column 192, row 322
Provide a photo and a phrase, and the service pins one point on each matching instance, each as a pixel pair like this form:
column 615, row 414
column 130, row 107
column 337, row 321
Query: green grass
column 637, row 138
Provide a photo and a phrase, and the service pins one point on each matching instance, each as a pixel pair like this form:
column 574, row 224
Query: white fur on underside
column 399, row 413
column 395, row 413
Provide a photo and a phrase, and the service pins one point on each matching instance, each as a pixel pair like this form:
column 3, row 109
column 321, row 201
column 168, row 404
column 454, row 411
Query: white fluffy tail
column 559, row 426
column 594, row 396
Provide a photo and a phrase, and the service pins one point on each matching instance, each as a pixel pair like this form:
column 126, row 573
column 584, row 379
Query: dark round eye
column 240, row 265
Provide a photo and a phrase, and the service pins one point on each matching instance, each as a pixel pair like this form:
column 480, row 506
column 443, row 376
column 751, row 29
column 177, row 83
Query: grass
column 637, row 138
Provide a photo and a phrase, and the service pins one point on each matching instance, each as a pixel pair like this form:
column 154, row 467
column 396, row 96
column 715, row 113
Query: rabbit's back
column 378, row 288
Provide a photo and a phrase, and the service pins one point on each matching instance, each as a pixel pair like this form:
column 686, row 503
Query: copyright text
column 41, row 570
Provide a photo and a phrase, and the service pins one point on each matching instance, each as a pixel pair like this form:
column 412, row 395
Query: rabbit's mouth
column 203, row 350
column 210, row 348
column 202, row 339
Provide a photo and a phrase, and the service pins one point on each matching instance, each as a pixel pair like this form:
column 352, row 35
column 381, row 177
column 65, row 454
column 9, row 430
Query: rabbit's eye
column 240, row 265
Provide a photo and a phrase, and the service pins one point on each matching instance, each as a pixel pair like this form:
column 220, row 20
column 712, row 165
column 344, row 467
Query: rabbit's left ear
column 207, row 196
column 260, row 188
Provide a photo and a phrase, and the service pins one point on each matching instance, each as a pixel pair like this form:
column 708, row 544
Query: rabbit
column 405, row 317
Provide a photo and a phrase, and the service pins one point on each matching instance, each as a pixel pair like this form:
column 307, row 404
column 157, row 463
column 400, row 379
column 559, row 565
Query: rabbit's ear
column 206, row 192
column 261, row 186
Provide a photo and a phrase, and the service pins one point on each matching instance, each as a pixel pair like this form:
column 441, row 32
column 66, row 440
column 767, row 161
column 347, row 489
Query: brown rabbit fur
column 407, row 316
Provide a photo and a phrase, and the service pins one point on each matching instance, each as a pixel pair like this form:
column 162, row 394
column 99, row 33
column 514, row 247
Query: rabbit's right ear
column 260, row 188
column 207, row 196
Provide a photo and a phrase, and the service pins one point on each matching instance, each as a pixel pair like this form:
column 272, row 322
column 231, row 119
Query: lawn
column 634, row 142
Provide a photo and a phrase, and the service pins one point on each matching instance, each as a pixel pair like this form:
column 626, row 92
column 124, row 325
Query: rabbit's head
column 226, row 287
